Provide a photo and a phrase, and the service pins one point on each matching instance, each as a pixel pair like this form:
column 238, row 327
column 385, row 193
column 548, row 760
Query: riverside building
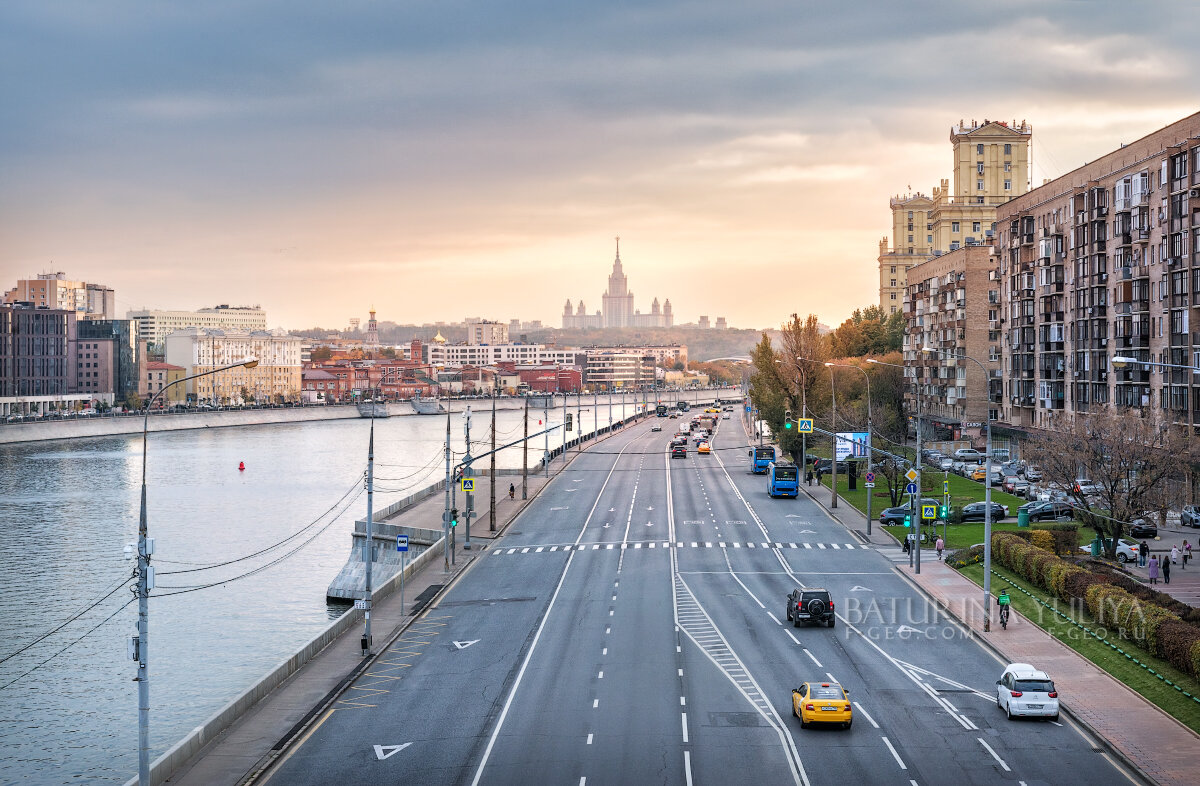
column 154, row 326
column 276, row 378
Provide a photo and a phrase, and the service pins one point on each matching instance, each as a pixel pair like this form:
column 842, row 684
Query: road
column 630, row 629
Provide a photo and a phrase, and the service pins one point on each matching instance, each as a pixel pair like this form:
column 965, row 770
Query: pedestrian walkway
column 253, row 741
column 1185, row 582
column 1143, row 736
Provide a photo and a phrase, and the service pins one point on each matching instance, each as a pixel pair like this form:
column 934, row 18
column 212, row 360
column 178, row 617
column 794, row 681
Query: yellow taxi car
column 822, row 702
column 703, row 447
column 978, row 474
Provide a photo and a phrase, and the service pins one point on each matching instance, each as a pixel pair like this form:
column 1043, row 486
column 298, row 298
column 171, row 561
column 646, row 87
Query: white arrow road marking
column 806, row 532
column 650, row 508
column 462, row 645
column 906, row 629
column 606, row 525
column 386, row 751
column 793, row 516
column 566, row 508
column 857, row 588
column 649, row 523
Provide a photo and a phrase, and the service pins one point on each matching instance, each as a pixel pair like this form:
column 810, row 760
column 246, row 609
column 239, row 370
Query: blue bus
column 761, row 458
column 783, row 479
column 661, row 410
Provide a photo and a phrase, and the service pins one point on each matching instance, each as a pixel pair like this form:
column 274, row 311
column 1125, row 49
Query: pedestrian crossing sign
column 804, row 425
column 929, row 512
column 468, row 484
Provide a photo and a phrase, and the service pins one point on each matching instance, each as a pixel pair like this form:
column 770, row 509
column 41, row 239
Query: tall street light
column 870, row 466
column 146, row 582
column 987, row 492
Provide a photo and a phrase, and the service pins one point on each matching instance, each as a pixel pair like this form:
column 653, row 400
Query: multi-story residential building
column 991, row 166
column 157, row 376
column 1102, row 262
column 107, row 360
column 954, row 394
column 37, row 371
column 155, row 326
column 612, row 370
column 277, row 374
column 445, row 355
column 55, row 291
column 487, row 333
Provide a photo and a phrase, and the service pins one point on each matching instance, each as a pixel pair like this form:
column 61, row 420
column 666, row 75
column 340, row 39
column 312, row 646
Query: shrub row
column 1135, row 618
column 964, row 557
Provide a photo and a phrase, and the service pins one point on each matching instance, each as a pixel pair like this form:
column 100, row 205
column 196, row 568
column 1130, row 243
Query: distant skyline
column 453, row 159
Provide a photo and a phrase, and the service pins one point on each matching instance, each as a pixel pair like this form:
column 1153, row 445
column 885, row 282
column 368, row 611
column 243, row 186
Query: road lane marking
column 895, row 755
column 687, row 768
column 813, row 657
column 994, row 754
column 866, row 715
column 589, row 742
column 685, row 734
column 595, row 703
column 682, row 701
column 793, row 638
column 600, row 676
column 604, row 651
column 831, row 677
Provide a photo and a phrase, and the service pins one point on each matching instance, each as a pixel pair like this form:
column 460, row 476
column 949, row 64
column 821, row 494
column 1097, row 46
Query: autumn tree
column 1127, row 457
column 868, row 331
column 790, row 378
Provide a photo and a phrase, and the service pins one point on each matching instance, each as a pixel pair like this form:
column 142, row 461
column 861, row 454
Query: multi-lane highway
column 630, row 629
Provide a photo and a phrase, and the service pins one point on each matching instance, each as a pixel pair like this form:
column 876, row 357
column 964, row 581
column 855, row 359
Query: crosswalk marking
column 695, row 544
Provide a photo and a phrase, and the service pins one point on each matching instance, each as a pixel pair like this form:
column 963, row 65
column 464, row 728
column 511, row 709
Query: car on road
column 656, row 427
column 975, row 511
column 703, row 448
column 1023, row 691
column 679, row 451
column 893, row 516
column 725, row 416
column 968, row 454
column 1143, row 528
column 1032, row 473
column 978, row 474
column 822, row 702
column 810, row 605
column 1047, row 511
column 1190, row 516
column 1127, row 549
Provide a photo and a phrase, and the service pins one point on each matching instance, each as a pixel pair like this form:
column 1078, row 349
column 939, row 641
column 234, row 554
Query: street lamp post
column 145, row 548
column 870, row 465
column 917, row 406
column 833, row 428
column 987, row 493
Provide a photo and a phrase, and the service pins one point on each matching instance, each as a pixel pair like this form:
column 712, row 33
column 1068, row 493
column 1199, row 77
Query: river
column 68, row 714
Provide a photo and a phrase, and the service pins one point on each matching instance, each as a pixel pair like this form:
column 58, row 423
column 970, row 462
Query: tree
column 1127, row 457
column 790, row 379
column 320, row 353
column 133, row 401
column 868, row 331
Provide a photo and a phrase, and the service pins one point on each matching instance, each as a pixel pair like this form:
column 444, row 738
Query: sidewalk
column 1144, row 737
column 1185, row 582
column 240, row 753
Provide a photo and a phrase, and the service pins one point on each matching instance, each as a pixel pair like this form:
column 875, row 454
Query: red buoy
column 242, row 465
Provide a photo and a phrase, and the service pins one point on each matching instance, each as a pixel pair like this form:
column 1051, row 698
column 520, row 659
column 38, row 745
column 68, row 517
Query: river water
column 68, row 706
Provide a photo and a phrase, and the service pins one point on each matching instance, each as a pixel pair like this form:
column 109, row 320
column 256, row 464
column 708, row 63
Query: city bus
column 761, row 458
column 661, row 410
column 783, row 479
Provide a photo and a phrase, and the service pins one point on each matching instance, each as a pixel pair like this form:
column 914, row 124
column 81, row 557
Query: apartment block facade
column 56, row 291
column 1104, row 262
column 277, row 375
column 954, row 393
column 154, row 326
column 990, row 167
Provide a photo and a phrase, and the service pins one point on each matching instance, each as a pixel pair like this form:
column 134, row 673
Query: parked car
column 1000, row 454
column 1143, row 528
column 893, row 516
column 1127, row 549
column 968, row 454
column 1190, row 516
column 1048, row 511
column 656, row 427
column 976, row 511
column 1023, row 690
column 1009, row 481
column 1032, row 473
column 1020, row 489
column 979, row 474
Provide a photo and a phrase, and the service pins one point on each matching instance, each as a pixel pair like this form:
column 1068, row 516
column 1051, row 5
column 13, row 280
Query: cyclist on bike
column 1003, row 601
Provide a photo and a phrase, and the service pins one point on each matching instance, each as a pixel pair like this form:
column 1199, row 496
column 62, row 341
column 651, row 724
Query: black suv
column 679, row 451
column 810, row 605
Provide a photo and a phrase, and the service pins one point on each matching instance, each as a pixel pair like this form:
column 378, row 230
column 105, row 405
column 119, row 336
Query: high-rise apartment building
column 1104, row 262
column 487, row 333
column 198, row 350
column 154, row 326
column 55, row 291
column 991, row 166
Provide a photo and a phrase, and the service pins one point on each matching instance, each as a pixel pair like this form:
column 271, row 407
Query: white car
column 1025, row 691
column 656, row 427
column 968, row 454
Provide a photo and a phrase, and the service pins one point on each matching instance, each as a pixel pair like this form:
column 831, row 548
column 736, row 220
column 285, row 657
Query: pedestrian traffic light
column 570, row 421
column 943, row 511
column 907, row 520
column 787, row 418
column 454, row 517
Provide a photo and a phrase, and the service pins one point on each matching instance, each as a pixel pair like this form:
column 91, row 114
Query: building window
column 1007, row 166
column 893, row 268
column 974, row 226
column 893, row 296
column 953, row 226
column 1008, row 185
column 929, row 239
column 979, row 167
column 910, row 238
column 1008, row 150
column 893, row 282
column 979, row 149
column 979, row 185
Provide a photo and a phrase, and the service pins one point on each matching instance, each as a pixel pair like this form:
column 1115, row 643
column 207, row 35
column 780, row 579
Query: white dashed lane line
column 994, row 754
column 895, row 755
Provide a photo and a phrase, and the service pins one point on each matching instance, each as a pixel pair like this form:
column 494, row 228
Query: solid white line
column 866, row 715
column 541, row 627
column 582, row 781
column 814, row 658
column 895, row 755
column 831, row 677
column 994, row 756
column 685, row 736
column 687, row 768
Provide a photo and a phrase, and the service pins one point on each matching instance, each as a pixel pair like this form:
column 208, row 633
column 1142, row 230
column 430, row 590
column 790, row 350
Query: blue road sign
column 911, row 488
column 401, row 543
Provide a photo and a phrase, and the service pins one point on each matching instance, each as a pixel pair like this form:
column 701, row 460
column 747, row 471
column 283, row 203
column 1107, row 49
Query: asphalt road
column 630, row 630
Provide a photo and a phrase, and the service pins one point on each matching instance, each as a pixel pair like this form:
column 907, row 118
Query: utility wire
column 22, row 676
column 68, row 620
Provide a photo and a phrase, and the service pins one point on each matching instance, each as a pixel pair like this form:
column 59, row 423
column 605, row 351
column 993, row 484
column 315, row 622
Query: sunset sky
column 449, row 159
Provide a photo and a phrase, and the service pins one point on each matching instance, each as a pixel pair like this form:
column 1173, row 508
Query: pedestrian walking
column 1152, row 569
column 1174, row 554
column 808, row 476
column 940, row 545
column 512, row 491
column 1187, row 553
column 1166, row 570
column 1143, row 554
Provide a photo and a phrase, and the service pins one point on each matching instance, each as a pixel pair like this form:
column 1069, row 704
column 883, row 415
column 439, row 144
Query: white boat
column 373, row 409
column 426, row 406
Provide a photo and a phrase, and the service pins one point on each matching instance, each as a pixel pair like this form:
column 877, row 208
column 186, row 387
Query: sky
column 439, row 160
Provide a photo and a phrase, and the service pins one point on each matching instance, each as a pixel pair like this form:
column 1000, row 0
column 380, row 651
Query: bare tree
column 1126, row 457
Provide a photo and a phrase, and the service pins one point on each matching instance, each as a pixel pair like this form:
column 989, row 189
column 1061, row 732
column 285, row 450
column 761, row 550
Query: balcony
column 1052, row 316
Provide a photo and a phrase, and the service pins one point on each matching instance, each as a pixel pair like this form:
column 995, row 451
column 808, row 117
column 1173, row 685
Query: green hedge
column 1136, row 617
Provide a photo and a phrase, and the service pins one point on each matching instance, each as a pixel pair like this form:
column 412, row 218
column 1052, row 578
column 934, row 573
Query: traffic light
column 570, row 421
column 907, row 520
column 787, row 418
column 453, row 517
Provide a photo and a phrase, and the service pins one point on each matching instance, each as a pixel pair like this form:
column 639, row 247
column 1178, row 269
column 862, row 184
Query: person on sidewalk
column 512, row 491
column 1174, row 555
column 808, row 476
column 1166, row 570
column 940, row 545
column 1143, row 554
column 1187, row 553
column 1152, row 569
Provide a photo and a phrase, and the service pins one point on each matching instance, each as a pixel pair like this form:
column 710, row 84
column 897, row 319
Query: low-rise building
column 614, row 370
column 156, row 377
column 276, row 377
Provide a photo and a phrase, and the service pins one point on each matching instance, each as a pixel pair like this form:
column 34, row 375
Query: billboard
column 850, row 445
